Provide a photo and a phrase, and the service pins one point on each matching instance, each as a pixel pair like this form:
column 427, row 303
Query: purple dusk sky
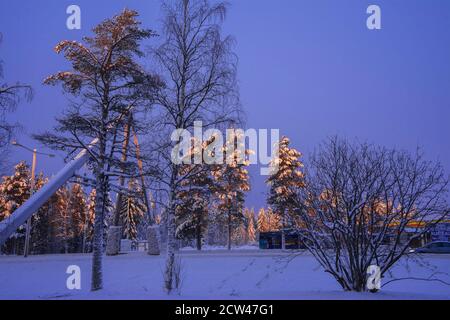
column 310, row 68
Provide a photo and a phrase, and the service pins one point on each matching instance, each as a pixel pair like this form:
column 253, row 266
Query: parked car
column 433, row 247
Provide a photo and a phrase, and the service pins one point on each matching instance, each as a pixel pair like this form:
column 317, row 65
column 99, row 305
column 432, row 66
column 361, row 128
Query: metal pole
column 28, row 230
column 9, row 225
column 150, row 216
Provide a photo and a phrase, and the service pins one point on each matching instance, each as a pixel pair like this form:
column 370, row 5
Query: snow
column 18, row 218
column 217, row 274
column 206, row 248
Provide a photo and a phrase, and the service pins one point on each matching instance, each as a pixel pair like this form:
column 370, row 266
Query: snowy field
column 217, row 274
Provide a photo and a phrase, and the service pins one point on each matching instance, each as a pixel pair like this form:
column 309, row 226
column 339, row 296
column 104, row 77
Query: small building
column 440, row 232
column 272, row 240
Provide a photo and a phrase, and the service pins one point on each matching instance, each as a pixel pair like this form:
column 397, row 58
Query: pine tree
column 14, row 191
column 273, row 220
column 232, row 183
column 107, row 82
column 262, row 223
column 284, row 181
column 191, row 214
column 199, row 68
column 251, row 231
column 132, row 210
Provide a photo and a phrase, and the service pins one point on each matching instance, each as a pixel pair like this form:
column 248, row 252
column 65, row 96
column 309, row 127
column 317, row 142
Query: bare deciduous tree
column 200, row 73
column 359, row 203
column 10, row 97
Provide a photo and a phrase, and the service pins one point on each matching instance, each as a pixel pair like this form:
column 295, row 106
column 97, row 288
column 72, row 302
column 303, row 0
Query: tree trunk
column 83, row 245
column 283, row 235
column 97, row 276
column 171, row 241
column 198, row 232
column 153, row 240
column 229, row 230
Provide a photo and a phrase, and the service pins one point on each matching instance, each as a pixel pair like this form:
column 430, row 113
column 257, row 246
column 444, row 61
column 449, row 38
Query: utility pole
column 28, row 230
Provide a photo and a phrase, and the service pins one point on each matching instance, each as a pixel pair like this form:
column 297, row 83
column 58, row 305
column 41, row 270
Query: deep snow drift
column 239, row 274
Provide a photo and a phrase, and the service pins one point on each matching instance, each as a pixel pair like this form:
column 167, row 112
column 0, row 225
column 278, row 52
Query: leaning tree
column 108, row 85
column 359, row 202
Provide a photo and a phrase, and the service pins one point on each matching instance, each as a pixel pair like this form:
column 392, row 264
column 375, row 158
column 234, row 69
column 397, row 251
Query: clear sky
column 310, row 68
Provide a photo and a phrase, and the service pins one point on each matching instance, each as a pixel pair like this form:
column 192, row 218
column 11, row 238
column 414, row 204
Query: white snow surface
column 215, row 248
column 215, row 274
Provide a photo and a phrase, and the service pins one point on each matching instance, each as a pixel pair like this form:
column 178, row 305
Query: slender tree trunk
column 283, row 235
column 83, row 244
column 229, row 230
column 97, row 275
column 171, row 228
column 198, row 232
column 66, row 233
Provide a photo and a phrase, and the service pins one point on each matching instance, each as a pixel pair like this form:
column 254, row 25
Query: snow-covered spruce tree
column 273, row 220
column 200, row 72
column 284, row 181
column 109, row 84
column 268, row 220
column 132, row 210
column 262, row 222
column 251, row 230
column 14, row 191
column 191, row 217
column 194, row 195
column 232, row 181
column 359, row 202
column 10, row 97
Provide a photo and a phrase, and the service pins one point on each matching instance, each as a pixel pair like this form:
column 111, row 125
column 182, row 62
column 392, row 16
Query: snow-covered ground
column 217, row 274
column 219, row 248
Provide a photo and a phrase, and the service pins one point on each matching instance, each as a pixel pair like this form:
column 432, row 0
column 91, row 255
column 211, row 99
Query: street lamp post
column 28, row 230
column 32, row 187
